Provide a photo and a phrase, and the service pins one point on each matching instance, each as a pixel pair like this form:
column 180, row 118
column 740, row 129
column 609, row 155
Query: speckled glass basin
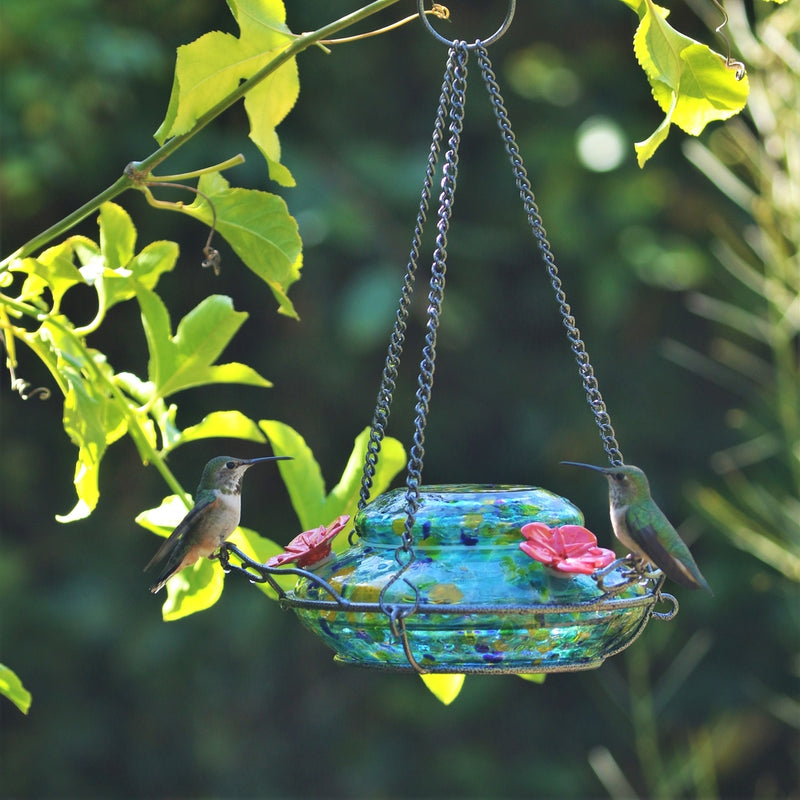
column 484, row 605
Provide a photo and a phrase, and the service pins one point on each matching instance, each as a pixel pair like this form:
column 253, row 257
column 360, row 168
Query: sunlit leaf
column 266, row 105
column 163, row 519
column 210, row 68
column 305, row 483
column 343, row 498
column 53, row 269
column 533, row 677
column 227, row 424
column 117, row 235
column 444, row 688
column 92, row 417
column 11, row 686
column 259, row 228
column 145, row 268
column 691, row 83
column 301, row 475
column 261, row 549
column 193, row 589
column 186, row 359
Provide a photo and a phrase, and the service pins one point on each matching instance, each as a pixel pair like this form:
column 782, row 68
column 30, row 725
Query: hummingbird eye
column 230, row 464
column 619, row 476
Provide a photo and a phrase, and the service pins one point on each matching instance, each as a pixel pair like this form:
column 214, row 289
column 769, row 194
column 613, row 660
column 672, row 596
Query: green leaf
column 164, row 519
column 260, row 549
column 11, row 686
column 228, row 424
column 92, row 417
column 119, row 284
column 266, row 105
column 259, row 228
column 445, row 688
column 344, row 497
column 193, row 589
column 186, row 360
column 533, row 677
column 53, row 269
column 306, row 486
column 211, row 68
column 690, row 82
column 301, row 475
column 305, row 483
column 117, row 235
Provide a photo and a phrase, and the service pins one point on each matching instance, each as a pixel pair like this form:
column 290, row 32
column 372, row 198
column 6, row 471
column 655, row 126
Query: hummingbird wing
column 673, row 557
column 169, row 544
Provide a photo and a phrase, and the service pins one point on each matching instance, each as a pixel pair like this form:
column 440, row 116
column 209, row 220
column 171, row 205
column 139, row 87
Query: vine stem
column 125, row 182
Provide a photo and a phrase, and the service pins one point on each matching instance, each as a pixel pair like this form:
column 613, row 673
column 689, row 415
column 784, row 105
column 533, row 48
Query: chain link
column 577, row 346
column 397, row 339
column 451, row 106
column 458, row 53
column 404, row 555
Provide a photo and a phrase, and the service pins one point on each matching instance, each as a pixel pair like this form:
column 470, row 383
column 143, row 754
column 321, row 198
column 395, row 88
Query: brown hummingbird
column 643, row 528
column 214, row 517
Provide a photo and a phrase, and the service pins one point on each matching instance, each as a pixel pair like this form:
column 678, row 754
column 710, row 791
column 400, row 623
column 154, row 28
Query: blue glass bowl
column 471, row 600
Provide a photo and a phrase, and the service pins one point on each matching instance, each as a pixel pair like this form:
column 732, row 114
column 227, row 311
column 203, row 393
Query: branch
column 140, row 168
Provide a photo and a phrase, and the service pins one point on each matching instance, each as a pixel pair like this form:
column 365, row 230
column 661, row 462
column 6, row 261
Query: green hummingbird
column 642, row 526
column 213, row 518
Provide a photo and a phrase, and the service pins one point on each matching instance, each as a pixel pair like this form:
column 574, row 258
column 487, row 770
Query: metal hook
column 730, row 63
column 512, row 5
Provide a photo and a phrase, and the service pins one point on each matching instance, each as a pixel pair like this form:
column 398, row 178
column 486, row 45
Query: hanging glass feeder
column 440, row 579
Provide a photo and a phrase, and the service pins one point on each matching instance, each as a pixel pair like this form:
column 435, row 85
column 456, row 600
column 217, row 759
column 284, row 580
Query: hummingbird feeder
column 463, row 578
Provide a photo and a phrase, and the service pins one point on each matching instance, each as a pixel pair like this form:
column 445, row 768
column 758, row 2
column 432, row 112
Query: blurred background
column 240, row 701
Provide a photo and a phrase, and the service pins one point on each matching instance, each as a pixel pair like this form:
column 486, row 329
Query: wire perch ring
column 335, row 603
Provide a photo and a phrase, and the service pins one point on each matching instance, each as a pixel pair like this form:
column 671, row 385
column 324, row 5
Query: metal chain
column 577, row 346
column 460, row 54
column 404, row 555
column 395, row 349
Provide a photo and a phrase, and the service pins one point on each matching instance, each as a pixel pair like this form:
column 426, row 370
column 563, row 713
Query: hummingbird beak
column 586, row 466
column 252, row 461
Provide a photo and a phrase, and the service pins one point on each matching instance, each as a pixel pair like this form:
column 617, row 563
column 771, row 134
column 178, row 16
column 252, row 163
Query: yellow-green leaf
column 343, row 498
column 163, row 519
column 117, row 235
column 261, row 549
column 92, row 417
column 691, row 83
column 305, row 483
column 185, row 360
column 11, row 686
column 211, row 68
column 259, row 228
column 193, row 589
column 227, row 424
column 444, row 688
column 53, row 269
column 302, row 475
column 533, row 677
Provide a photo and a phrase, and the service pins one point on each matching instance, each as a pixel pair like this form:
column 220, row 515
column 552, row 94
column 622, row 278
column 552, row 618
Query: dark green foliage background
column 240, row 700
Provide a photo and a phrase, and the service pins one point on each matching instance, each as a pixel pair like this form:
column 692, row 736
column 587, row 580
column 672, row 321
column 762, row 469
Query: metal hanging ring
column 512, row 6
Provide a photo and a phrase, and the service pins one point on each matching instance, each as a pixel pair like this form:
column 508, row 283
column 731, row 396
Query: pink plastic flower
column 568, row 548
column 310, row 546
